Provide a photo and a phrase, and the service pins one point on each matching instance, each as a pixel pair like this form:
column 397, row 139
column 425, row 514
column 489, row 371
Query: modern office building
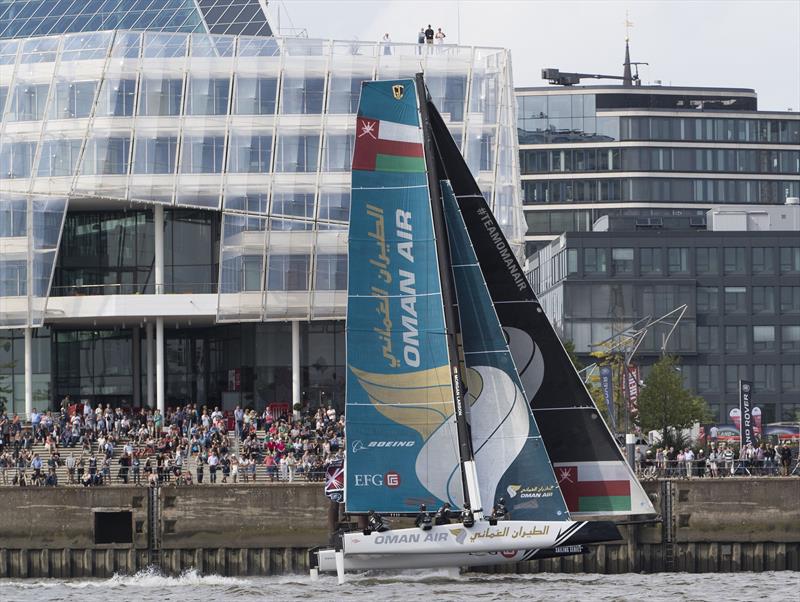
column 174, row 202
column 740, row 280
column 648, row 151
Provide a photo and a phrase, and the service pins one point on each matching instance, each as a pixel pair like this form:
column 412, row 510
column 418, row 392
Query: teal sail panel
column 401, row 432
column 510, row 456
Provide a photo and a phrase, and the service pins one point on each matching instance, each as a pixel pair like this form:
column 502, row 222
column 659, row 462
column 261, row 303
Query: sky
column 726, row 43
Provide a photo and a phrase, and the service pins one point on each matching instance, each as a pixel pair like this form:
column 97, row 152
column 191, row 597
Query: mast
column 468, row 470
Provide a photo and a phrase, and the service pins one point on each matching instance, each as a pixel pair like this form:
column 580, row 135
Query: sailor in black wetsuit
column 499, row 511
column 424, row 520
column 442, row 516
column 467, row 518
column 375, row 522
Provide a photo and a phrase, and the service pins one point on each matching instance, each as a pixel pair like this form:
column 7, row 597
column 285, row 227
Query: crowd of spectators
column 718, row 460
column 190, row 444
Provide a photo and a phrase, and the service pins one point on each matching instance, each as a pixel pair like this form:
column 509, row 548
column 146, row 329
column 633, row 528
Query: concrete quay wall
column 709, row 526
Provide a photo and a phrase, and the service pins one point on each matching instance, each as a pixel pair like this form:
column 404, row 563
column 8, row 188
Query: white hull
column 457, row 539
column 326, row 559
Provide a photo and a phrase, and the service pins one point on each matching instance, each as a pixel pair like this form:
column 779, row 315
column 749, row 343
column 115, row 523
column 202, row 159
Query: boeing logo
column 358, row 445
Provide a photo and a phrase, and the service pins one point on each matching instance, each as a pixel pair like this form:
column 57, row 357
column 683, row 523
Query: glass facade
column 614, row 148
column 220, row 365
column 741, row 319
column 256, row 131
column 28, row 18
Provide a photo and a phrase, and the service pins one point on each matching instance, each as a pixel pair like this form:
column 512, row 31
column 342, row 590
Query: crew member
column 375, row 522
column 467, row 517
column 442, row 516
column 424, row 520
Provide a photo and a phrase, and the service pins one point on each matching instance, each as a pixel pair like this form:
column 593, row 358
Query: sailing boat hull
column 326, row 559
column 482, row 537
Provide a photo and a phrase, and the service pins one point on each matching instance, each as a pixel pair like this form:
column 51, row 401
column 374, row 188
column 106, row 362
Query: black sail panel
column 592, row 472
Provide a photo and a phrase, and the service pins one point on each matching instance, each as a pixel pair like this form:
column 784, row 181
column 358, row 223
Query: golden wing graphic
column 420, row 400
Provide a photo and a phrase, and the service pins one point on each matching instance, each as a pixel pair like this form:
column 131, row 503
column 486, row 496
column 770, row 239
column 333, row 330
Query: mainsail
column 401, row 428
column 591, row 471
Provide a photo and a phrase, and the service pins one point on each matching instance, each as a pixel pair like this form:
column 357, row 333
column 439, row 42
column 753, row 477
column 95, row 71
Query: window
column 106, row 156
column 249, row 152
column 650, row 261
column 595, row 261
column 764, row 299
column 734, row 260
column 302, row 95
column 27, row 102
column 344, row 91
column 622, row 260
column 707, row 378
column 288, row 273
column 337, row 152
column 763, row 339
column 59, row 157
column 790, row 338
column 733, row 374
column 790, row 378
column 202, row 154
column 790, row 260
column 16, row 159
column 331, row 273
column 116, row 98
column 735, row 339
column 706, row 260
column 764, row 377
column 72, row 99
column 763, row 260
column 208, row 96
column 707, row 299
column 678, row 260
column 297, row 153
column 160, row 97
column 708, row 339
column 298, row 204
column 735, row 299
column 256, row 96
column 155, row 155
column 572, row 261
column 790, row 299
column 334, row 205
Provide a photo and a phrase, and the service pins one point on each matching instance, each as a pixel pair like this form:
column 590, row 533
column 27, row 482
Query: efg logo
column 391, row 480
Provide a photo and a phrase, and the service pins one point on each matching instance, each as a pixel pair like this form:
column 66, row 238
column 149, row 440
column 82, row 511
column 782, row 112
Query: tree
column 664, row 405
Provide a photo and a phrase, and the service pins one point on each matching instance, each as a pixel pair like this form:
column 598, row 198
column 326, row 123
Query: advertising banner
column 746, row 413
column 607, row 388
column 632, row 382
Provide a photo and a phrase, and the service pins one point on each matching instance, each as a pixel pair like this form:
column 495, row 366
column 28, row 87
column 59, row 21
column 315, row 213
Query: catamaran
column 460, row 397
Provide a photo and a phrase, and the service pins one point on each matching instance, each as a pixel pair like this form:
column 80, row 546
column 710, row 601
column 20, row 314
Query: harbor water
column 425, row 585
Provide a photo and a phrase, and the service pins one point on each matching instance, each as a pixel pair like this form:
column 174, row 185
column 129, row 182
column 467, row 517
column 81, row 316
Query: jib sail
column 593, row 475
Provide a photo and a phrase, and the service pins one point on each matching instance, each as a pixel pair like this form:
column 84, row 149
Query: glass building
column 649, row 151
column 174, row 202
column 740, row 280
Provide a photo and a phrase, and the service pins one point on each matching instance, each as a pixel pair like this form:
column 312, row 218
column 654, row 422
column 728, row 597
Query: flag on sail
column 595, row 487
column 387, row 146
